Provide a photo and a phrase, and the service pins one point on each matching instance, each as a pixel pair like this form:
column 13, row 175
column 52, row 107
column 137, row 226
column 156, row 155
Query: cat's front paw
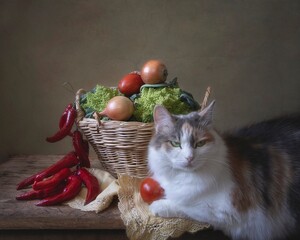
column 161, row 208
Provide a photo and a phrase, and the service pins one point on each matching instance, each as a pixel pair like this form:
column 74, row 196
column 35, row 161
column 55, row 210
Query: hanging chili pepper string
column 67, row 127
column 80, row 149
column 58, row 183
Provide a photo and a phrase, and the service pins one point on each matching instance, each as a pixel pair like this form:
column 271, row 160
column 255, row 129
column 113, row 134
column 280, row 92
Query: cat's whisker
column 226, row 164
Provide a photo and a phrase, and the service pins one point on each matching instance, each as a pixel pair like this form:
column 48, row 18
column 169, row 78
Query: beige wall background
column 247, row 51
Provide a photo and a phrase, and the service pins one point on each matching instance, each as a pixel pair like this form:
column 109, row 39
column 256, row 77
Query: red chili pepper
column 63, row 117
column 91, row 183
column 66, row 129
column 54, row 180
column 68, row 161
column 86, row 146
column 72, row 188
column 42, row 193
column 26, row 182
column 79, row 147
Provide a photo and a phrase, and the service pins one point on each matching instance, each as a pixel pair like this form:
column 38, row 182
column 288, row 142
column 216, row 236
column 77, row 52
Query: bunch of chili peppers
column 63, row 180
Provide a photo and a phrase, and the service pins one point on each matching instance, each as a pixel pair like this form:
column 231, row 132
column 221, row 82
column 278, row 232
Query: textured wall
column 248, row 51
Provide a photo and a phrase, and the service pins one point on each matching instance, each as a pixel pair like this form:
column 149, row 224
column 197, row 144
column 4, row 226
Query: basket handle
column 80, row 111
column 205, row 99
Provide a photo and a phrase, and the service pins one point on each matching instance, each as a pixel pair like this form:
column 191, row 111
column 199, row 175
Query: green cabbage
column 169, row 97
column 97, row 99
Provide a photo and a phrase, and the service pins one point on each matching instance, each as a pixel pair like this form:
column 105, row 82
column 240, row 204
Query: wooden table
column 24, row 220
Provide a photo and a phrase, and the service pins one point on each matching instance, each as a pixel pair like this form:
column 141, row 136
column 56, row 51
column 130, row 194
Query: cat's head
column 186, row 142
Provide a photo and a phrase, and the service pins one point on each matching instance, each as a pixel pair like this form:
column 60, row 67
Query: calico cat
column 245, row 183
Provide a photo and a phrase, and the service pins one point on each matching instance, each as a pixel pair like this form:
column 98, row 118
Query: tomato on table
column 151, row 190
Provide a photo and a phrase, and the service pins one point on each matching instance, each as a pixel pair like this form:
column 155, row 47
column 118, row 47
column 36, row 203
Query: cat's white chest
column 189, row 196
column 214, row 208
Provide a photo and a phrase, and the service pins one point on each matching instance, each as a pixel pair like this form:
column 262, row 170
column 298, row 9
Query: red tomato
column 130, row 84
column 154, row 72
column 150, row 190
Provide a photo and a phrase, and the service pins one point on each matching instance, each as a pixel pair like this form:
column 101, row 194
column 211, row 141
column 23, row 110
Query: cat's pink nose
column 190, row 159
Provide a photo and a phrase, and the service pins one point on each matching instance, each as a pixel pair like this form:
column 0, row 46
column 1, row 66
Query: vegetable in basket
column 130, row 84
column 97, row 99
column 170, row 95
column 153, row 72
column 118, row 108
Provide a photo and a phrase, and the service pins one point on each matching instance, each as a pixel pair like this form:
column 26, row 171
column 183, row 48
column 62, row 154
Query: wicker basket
column 120, row 146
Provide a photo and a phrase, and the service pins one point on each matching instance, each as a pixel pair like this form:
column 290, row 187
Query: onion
column 153, row 72
column 118, row 108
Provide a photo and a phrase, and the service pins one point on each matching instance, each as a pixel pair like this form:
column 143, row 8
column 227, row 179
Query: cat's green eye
column 175, row 144
column 201, row 143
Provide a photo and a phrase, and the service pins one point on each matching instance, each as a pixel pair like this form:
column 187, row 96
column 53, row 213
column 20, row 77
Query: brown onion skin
column 118, row 108
column 154, row 72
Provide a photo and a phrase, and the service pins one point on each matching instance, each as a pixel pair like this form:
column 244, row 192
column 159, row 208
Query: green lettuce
column 169, row 97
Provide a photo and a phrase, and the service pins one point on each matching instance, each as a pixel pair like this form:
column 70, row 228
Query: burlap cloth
column 139, row 222
column 109, row 186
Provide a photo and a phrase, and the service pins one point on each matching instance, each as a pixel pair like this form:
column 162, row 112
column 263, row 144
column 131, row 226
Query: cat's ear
column 207, row 113
column 162, row 118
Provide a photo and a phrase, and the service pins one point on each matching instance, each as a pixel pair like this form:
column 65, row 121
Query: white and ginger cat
column 245, row 183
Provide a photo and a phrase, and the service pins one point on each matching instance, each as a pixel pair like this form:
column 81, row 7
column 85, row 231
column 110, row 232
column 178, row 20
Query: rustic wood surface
column 23, row 220
column 16, row 214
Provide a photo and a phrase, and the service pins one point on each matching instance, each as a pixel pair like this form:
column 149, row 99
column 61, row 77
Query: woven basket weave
column 120, row 146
